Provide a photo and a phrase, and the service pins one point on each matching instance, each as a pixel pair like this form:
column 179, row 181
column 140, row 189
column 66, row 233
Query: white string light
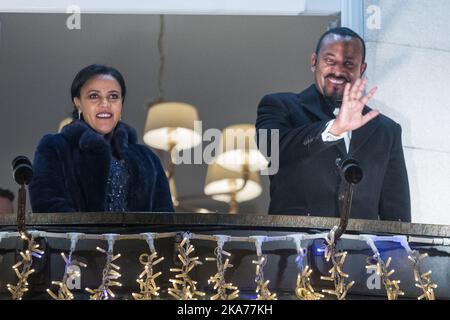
column 184, row 288
column 337, row 275
column 376, row 263
column 32, row 250
column 303, row 288
column 262, row 285
column 70, row 272
column 146, row 280
column 110, row 273
column 423, row 281
column 218, row 280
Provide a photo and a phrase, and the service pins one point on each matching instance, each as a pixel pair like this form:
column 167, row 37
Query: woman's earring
column 79, row 114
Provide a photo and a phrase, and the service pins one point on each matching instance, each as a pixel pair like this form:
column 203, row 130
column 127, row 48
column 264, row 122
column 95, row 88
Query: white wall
column 409, row 59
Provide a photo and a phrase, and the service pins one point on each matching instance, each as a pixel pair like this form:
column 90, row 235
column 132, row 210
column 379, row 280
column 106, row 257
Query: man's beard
column 334, row 100
column 334, row 96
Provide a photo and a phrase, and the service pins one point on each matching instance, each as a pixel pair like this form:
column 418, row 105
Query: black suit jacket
column 307, row 181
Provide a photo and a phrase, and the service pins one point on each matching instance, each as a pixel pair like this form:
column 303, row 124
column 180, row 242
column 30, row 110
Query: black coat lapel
column 141, row 181
column 311, row 101
column 95, row 157
column 91, row 161
column 361, row 135
column 341, row 147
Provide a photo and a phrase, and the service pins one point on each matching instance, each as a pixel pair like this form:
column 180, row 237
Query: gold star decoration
column 146, row 280
column 218, row 280
column 392, row 286
column 262, row 287
column 32, row 250
column 337, row 275
column 423, row 281
column 109, row 277
column 184, row 288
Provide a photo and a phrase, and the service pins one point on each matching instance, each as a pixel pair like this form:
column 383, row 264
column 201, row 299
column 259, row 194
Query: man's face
column 6, row 205
column 339, row 61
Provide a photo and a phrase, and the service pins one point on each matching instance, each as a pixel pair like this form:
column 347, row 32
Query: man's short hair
column 5, row 193
column 343, row 31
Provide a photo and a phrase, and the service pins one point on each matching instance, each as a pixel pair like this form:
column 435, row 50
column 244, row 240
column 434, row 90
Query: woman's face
column 100, row 102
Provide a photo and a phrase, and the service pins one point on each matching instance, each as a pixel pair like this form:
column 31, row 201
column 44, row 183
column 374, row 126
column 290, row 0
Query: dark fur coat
column 71, row 171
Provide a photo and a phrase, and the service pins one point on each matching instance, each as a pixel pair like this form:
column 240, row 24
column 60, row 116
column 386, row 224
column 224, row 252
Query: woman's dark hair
column 91, row 71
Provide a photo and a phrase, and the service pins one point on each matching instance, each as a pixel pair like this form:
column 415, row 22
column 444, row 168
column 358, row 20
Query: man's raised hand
column 350, row 115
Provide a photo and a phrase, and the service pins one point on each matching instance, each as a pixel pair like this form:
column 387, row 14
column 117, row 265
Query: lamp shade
column 221, row 180
column 238, row 148
column 171, row 123
column 63, row 123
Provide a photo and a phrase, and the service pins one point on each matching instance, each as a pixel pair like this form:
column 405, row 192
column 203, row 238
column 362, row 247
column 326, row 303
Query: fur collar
column 79, row 132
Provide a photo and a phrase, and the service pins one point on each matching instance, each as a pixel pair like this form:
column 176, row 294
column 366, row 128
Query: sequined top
column 117, row 187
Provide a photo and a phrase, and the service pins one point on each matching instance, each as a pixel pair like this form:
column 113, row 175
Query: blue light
column 320, row 250
column 247, row 296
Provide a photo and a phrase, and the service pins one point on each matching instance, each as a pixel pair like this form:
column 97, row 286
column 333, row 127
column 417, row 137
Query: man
column 6, row 201
column 327, row 123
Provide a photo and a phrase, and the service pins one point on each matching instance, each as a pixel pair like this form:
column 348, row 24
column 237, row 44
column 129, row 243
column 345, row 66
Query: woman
column 95, row 163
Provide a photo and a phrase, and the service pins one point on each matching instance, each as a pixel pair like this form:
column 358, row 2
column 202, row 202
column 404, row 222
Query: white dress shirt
column 328, row 137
